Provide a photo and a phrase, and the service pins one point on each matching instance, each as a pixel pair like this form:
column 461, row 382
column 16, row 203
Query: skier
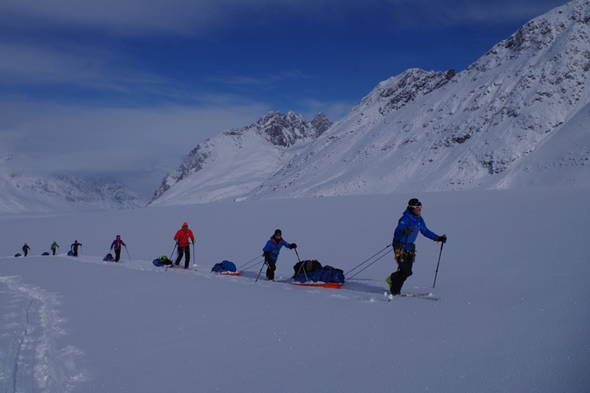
column 54, row 247
column 271, row 252
column 182, row 238
column 26, row 249
column 116, row 245
column 74, row 248
column 404, row 248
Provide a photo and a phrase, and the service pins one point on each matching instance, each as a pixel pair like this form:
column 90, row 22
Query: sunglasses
column 415, row 207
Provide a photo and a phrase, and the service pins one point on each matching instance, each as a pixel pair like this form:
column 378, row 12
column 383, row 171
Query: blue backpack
column 225, row 266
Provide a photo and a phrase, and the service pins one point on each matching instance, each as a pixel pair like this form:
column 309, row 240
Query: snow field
column 512, row 314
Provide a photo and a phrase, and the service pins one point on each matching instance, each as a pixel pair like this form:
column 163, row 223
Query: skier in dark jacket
column 26, row 249
column 404, row 248
column 74, row 248
column 271, row 252
column 116, row 245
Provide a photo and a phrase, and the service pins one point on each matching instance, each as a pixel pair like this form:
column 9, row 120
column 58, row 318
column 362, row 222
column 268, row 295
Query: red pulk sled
column 334, row 285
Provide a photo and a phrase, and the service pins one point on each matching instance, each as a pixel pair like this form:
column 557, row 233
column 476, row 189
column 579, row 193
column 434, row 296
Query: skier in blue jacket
column 404, row 248
column 271, row 252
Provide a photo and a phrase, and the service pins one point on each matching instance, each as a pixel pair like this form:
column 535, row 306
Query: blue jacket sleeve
column 284, row 243
column 268, row 247
column 427, row 232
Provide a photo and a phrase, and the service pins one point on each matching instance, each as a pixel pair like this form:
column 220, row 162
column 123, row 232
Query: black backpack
column 306, row 267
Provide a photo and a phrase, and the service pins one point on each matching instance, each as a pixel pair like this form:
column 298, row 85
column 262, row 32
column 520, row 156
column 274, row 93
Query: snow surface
column 512, row 315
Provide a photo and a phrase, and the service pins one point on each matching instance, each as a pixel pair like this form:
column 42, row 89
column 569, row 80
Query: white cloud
column 266, row 80
column 91, row 68
column 124, row 143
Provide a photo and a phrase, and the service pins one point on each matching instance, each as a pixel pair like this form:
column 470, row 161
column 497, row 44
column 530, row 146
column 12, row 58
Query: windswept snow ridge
column 31, row 359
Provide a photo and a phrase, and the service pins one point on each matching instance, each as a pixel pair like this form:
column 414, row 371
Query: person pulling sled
column 116, row 245
column 54, row 247
column 271, row 252
column 26, row 249
column 74, row 248
column 183, row 238
column 404, row 248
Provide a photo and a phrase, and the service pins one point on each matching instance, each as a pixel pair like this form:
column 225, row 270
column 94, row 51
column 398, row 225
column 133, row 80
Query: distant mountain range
column 517, row 117
column 22, row 192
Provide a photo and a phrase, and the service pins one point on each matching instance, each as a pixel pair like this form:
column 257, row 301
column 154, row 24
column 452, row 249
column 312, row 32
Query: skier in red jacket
column 182, row 238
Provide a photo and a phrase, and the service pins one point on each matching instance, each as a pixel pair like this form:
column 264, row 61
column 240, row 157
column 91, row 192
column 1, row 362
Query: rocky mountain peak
column 286, row 129
column 398, row 91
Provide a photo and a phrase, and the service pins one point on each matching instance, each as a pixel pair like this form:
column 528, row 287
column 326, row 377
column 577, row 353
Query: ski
column 420, row 295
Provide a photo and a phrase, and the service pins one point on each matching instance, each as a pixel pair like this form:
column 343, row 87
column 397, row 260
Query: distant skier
column 271, row 252
column 116, row 245
column 404, row 248
column 74, row 248
column 26, row 249
column 182, row 237
column 54, row 247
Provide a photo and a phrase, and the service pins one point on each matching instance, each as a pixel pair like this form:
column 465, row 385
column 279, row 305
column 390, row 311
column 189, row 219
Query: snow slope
column 238, row 161
column 512, row 316
column 440, row 131
column 563, row 160
column 22, row 192
column 427, row 130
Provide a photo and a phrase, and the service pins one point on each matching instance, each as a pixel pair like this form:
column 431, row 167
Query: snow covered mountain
column 493, row 125
column 32, row 193
column 238, row 161
column 445, row 131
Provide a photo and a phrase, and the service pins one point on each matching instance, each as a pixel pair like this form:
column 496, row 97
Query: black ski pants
column 117, row 254
column 186, row 251
column 405, row 260
column 53, row 250
column 271, row 268
column 25, row 251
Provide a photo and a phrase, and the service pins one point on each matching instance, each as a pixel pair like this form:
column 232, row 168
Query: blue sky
column 129, row 78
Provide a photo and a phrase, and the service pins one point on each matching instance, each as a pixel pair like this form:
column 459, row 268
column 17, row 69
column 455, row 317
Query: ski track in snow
column 32, row 359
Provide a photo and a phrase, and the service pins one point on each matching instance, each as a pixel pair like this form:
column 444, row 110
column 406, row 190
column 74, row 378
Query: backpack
column 306, row 267
column 225, row 266
column 45, row 253
column 108, row 257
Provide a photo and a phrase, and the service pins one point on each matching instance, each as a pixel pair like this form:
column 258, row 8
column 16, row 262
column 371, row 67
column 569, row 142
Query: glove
column 406, row 231
column 293, row 245
column 442, row 239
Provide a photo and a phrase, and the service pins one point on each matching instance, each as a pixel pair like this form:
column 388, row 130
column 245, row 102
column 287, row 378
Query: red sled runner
column 332, row 285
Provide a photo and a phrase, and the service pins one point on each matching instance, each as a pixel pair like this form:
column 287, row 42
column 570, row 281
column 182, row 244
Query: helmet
column 278, row 232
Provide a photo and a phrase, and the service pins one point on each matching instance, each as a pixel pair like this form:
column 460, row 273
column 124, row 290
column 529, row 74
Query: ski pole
column 174, row 249
column 260, row 271
column 194, row 258
column 301, row 266
column 438, row 264
column 128, row 255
